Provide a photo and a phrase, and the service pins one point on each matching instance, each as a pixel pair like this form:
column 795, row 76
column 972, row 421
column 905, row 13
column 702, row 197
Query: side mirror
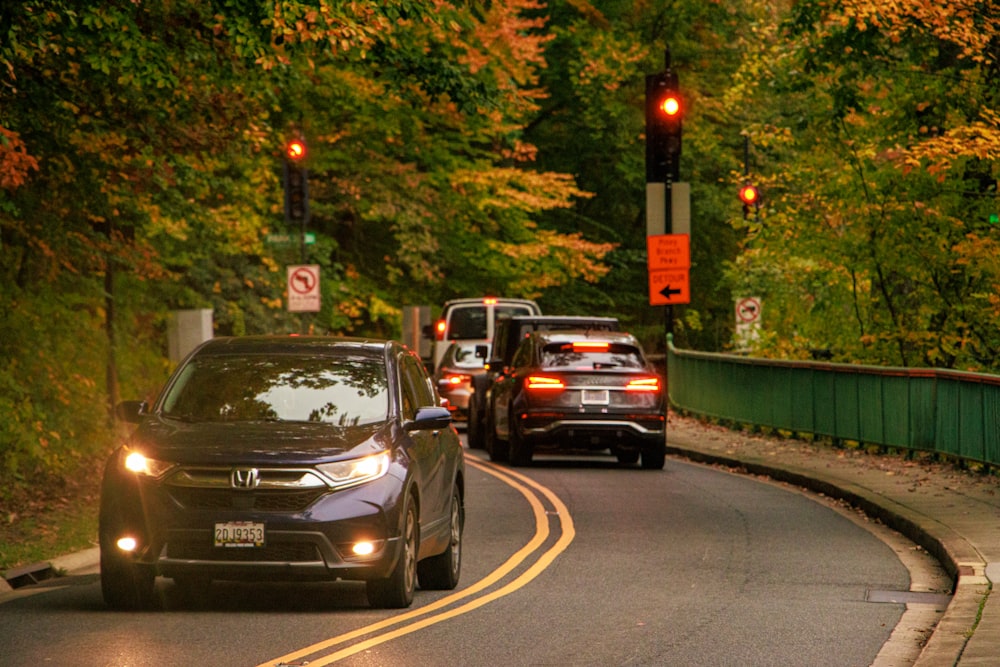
column 130, row 411
column 432, row 417
column 482, row 351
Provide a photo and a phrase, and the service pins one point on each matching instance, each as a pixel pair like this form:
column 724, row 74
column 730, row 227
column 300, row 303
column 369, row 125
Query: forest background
column 466, row 148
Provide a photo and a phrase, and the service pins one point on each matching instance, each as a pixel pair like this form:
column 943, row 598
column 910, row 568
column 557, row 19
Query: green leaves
column 871, row 193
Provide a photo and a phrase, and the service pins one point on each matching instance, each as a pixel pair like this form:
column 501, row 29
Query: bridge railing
column 948, row 412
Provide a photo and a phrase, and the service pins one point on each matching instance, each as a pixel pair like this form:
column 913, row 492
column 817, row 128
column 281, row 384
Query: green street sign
column 290, row 239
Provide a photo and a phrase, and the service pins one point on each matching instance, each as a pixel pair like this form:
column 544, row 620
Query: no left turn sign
column 303, row 288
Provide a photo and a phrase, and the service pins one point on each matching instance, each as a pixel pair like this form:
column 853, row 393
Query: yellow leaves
column 508, row 188
column 963, row 23
column 937, row 154
column 551, row 259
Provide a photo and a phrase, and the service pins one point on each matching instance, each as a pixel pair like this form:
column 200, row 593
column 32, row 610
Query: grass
column 50, row 518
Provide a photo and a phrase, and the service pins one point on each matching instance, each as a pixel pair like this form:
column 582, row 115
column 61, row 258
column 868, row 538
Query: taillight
column 591, row 346
column 439, row 329
column 643, row 384
column 454, row 379
column 544, row 383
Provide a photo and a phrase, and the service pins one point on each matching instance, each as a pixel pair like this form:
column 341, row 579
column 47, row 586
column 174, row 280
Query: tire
column 474, row 430
column 654, row 456
column 396, row 590
column 441, row 572
column 499, row 450
column 521, row 451
column 627, row 456
column 126, row 585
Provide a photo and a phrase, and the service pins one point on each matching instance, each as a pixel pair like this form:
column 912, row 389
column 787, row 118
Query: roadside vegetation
column 458, row 149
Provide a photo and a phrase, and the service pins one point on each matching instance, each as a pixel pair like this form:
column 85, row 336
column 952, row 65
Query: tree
column 877, row 166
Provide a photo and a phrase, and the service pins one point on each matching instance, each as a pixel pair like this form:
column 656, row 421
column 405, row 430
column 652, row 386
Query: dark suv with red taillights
column 579, row 390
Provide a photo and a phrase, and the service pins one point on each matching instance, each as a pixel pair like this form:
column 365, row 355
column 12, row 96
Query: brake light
column 439, row 329
column 643, row 384
column 490, row 301
column 591, row 346
column 544, row 383
column 454, row 378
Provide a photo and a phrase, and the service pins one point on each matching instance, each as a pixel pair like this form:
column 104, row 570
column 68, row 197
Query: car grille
column 290, row 500
column 288, row 552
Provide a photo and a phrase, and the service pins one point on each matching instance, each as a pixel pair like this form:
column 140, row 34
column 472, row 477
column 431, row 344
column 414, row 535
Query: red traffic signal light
column 749, row 195
column 670, row 106
column 295, row 150
column 664, row 121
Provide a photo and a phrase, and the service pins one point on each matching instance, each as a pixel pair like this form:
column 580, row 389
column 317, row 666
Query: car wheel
column 441, row 572
column 627, row 456
column 126, row 585
column 521, row 451
column 396, row 590
column 654, row 456
column 474, row 430
column 498, row 449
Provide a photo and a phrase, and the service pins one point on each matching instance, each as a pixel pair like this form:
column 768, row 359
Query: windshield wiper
column 186, row 417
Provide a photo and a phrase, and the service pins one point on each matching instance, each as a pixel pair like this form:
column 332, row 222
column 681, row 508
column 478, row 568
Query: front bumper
column 176, row 531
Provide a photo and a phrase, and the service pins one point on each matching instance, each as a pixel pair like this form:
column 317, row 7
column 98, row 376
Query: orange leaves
column 964, row 23
column 15, row 161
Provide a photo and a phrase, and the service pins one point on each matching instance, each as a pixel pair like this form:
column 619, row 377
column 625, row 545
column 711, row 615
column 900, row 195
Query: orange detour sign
column 669, row 261
column 667, row 288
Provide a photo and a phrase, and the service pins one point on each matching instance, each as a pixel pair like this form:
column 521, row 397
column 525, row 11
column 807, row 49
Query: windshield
column 347, row 390
column 469, row 322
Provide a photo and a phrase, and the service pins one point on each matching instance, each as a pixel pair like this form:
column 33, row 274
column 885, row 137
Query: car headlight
column 356, row 471
column 141, row 464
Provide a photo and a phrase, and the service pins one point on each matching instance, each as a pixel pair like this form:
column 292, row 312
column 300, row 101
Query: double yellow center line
column 443, row 609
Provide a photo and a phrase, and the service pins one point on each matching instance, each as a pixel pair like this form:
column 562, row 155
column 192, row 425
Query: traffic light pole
column 665, row 110
column 668, row 224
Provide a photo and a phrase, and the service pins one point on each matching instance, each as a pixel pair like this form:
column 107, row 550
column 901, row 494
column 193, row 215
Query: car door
column 429, row 445
column 505, row 386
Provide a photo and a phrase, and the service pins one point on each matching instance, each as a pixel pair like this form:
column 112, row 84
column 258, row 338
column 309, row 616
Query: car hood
column 259, row 443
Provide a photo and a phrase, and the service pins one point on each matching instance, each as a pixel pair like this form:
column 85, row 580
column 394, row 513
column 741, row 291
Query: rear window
column 587, row 355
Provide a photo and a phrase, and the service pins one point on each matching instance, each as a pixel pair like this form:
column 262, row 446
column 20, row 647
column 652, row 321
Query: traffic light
column 296, row 182
column 664, row 120
column 750, row 197
column 295, row 150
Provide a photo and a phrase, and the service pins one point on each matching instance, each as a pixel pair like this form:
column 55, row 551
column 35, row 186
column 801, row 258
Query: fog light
column 363, row 549
column 127, row 543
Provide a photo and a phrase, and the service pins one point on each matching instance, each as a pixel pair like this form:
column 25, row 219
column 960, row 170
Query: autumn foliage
column 462, row 148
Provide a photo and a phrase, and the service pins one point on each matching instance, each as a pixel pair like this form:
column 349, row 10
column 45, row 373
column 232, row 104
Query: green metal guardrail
column 943, row 411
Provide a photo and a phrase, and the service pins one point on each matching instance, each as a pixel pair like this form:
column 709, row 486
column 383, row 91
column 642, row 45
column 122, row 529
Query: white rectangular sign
column 303, row 288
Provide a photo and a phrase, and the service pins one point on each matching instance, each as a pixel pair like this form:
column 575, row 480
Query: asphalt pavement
column 951, row 512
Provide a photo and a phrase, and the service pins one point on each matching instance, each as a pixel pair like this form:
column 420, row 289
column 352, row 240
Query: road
column 574, row 561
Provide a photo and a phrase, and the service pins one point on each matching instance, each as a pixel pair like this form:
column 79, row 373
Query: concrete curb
column 74, row 563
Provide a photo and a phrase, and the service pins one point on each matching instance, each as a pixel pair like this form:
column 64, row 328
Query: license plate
column 595, row 397
column 239, row 534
